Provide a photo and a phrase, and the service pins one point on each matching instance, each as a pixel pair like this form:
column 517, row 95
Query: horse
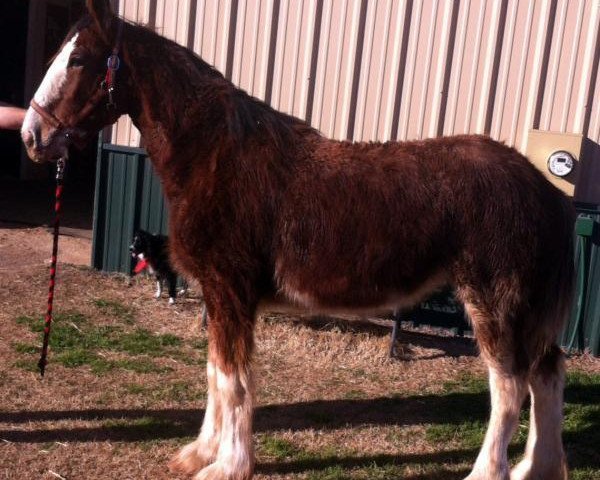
column 264, row 209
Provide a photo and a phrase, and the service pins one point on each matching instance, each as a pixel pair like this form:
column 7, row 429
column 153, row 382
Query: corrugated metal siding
column 399, row 69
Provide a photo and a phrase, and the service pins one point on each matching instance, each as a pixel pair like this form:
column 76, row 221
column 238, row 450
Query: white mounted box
column 540, row 147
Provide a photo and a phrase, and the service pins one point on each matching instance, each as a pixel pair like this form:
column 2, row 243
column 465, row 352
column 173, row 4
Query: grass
column 277, row 448
column 75, row 341
column 178, row 391
column 115, row 310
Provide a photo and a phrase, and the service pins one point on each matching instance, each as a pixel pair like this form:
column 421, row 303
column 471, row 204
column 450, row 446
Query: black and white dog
column 151, row 252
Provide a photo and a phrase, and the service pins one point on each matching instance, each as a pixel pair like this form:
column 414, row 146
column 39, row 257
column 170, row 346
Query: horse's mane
column 245, row 115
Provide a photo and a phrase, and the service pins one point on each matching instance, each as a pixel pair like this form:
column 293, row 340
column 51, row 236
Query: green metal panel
column 154, row 212
column 582, row 331
column 129, row 196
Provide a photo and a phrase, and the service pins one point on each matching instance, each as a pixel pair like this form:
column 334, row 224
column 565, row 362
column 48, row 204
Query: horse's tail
column 557, row 278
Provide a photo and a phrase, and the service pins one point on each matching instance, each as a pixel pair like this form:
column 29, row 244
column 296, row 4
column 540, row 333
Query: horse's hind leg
column 544, row 457
column 507, row 390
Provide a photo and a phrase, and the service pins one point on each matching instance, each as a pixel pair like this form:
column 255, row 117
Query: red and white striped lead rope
column 60, row 170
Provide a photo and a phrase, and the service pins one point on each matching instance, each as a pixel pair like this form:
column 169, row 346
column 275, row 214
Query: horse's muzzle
column 43, row 142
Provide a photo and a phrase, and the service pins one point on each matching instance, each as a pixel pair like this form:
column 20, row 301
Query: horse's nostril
column 28, row 138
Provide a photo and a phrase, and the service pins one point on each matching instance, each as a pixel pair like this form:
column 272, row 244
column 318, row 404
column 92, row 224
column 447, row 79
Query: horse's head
column 76, row 97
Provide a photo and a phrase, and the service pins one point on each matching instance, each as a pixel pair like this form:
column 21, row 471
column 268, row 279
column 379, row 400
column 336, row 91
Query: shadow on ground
column 452, row 346
column 138, row 425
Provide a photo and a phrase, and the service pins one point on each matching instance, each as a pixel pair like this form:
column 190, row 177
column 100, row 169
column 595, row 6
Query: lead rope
column 60, row 171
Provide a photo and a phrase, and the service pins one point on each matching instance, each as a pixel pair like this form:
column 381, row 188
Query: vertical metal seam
column 336, row 75
column 313, row 62
column 593, row 96
column 473, row 71
column 191, row 33
column 225, row 28
column 405, row 109
column 448, row 69
column 233, row 15
column 427, row 73
column 240, row 47
column 549, row 105
column 239, row 44
column 215, row 33
column 521, row 75
column 393, row 70
column 381, row 73
column 501, row 92
column 254, row 55
column 280, row 51
column 496, row 67
column 488, row 66
column 272, row 51
column 322, row 68
column 199, row 40
column 263, row 71
column 457, row 74
column 572, row 67
column 295, row 57
column 536, row 71
column 152, row 14
column 436, row 97
column 398, row 104
column 541, row 93
column 306, row 62
column 359, row 62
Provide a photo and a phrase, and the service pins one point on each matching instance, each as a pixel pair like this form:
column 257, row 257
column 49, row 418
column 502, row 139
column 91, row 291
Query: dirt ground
column 125, row 386
column 22, row 247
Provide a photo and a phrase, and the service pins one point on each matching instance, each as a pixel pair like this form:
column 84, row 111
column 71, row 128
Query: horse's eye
column 75, row 62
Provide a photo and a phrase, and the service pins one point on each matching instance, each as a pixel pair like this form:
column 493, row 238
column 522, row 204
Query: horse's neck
column 175, row 105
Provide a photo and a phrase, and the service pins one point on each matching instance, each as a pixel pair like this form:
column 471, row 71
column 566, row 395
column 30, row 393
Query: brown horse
column 263, row 208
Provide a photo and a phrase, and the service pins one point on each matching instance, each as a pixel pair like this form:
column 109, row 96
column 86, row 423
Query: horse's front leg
column 223, row 450
column 202, row 452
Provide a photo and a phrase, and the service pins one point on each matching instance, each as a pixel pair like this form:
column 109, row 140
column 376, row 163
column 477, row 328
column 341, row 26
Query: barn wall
column 399, row 69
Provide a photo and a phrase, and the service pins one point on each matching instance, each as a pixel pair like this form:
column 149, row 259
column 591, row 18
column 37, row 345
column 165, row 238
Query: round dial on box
column 561, row 163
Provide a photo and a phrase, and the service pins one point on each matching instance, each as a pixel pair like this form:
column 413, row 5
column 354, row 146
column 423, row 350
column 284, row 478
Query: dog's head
column 140, row 244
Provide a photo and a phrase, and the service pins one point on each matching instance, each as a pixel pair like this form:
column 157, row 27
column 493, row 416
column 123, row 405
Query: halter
column 107, row 87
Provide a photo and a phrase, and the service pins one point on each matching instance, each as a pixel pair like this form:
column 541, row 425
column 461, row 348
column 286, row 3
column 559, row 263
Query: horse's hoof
column 525, row 470
column 189, row 460
column 478, row 475
column 218, row 471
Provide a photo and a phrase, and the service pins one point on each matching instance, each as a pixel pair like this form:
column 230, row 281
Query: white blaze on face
column 56, row 75
column 48, row 91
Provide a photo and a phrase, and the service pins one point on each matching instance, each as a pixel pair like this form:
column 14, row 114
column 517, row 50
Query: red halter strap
column 46, row 115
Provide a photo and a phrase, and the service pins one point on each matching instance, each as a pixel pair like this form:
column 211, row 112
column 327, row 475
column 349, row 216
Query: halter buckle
column 60, row 168
column 113, row 62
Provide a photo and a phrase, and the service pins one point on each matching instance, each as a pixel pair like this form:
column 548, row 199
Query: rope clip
column 60, row 168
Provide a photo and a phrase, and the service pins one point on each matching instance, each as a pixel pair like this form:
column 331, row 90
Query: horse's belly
column 337, row 296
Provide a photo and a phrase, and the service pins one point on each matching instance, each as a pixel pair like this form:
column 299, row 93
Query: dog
column 151, row 252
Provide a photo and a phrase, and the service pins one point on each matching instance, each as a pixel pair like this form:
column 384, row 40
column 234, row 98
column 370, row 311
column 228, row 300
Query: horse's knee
column 550, row 367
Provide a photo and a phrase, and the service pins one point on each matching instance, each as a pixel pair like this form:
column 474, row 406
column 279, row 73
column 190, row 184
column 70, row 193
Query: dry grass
column 331, row 404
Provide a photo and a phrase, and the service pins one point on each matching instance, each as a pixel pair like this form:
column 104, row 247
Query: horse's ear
column 102, row 14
